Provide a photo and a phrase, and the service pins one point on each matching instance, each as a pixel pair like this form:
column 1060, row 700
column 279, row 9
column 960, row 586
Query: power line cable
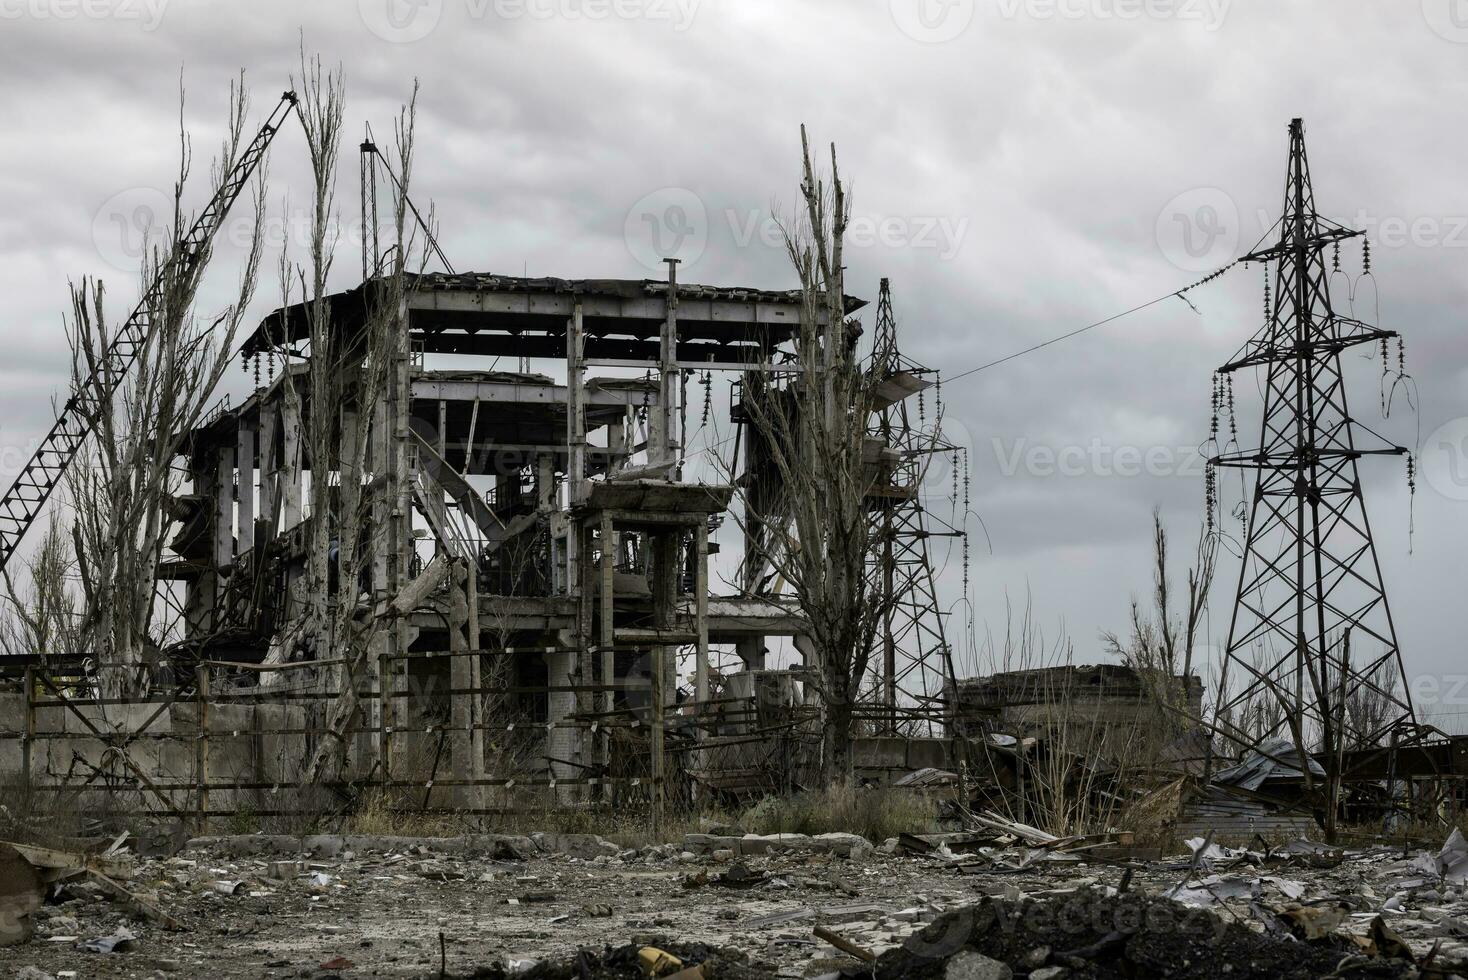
column 1179, row 293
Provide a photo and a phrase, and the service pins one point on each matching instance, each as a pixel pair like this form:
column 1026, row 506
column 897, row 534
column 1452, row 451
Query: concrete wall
column 1100, row 710
column 67, row 751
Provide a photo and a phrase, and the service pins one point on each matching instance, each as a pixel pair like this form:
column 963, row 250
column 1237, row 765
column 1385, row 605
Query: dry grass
column 628, row 826
column 67, row 819
column 387, row 814
column 875, row 814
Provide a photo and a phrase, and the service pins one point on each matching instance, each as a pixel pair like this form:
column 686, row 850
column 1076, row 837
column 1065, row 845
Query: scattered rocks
column 968, row 965
column 1106, row 935
column 32, row 973
column 394, row 906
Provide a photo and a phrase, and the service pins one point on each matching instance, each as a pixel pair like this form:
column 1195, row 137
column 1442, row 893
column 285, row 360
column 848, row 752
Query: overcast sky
column 1020, row 168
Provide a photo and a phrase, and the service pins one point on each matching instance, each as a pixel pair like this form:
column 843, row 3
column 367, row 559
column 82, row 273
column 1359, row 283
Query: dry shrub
column 875, row 814
column 385, row 813
column 1153, row 818
column 66, row 820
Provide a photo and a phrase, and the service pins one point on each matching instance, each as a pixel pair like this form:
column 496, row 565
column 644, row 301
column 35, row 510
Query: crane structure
column 23, row 502
column 1311, row 633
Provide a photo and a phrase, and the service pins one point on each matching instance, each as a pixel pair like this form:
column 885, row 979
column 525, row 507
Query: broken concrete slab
column 22, row 890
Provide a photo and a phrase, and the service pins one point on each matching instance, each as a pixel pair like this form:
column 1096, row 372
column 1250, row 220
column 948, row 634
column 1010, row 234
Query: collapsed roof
column 493, row 315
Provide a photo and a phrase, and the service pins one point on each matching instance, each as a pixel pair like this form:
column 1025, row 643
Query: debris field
column 786, row 905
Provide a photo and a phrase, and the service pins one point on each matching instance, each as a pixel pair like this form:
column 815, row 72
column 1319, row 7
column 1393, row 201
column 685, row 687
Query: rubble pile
column 668, row 960
column 1096, row 933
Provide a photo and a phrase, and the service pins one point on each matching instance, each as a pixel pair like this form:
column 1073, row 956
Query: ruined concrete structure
column 581, row 553
column 1097, row 705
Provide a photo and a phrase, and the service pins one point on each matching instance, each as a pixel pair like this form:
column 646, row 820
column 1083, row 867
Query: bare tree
column 327, row 369
column 120, row 487
column 1163, row 643
column 42, row 615
column 344, row 373
column 817, row 533
column 1257, row 716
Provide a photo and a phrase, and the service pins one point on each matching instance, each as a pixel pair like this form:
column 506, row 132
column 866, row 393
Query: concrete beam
column 651, row 308
column 429, row 388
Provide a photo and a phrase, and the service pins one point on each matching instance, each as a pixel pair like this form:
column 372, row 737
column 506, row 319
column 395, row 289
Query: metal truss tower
column 22, row 503
column 916, row 662
column 1312, row 633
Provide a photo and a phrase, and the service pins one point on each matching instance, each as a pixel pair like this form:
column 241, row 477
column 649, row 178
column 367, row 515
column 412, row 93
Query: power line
column 1179, row 293
column 1065, row 336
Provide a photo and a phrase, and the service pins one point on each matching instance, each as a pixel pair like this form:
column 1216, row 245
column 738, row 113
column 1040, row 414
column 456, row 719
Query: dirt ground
column 413, row 909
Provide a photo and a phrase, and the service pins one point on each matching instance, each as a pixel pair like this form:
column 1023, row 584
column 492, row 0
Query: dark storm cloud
column 1020, row 168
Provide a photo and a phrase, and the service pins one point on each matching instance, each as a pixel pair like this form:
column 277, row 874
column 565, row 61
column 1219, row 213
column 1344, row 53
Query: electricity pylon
column 1312, row 633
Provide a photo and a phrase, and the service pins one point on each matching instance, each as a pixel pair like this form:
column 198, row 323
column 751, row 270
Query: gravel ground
column 409, row 908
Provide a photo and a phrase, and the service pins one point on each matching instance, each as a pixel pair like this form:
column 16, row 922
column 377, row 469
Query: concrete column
column 199, row 592
column 290, row 476
column 476, row 681
column 664, row 659
column 545, row 484
column 701, row 609
column 461, row 713
column 751, row 650
column 587, row 672
column 380, row 709
column 665, row 438
column 399, row 477
column 400, row 474
column 269, row 468
column 616, row 444
column 561, row 741
column 224, row 509
column 245, row 488
column 575, row 406
column 607, row 660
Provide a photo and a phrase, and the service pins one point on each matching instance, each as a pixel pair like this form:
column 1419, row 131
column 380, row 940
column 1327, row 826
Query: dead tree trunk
column 342, row 427
column 119, row 486
column 817, row 535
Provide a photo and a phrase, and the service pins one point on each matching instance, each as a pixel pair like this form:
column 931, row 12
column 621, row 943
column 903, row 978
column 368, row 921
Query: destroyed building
column 458, row 534
column 533, row 566
column 589, row 555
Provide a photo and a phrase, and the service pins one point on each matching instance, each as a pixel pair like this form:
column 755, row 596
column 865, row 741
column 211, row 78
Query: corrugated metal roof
column 1277, row 758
